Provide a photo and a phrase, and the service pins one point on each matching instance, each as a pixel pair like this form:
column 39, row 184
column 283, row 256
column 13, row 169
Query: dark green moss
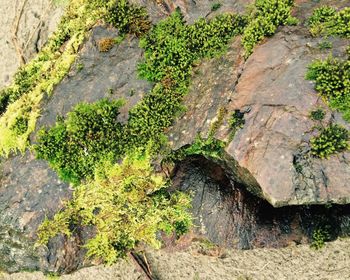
column 318, row 114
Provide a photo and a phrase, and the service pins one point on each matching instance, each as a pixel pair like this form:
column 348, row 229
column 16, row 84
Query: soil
column 294, row 262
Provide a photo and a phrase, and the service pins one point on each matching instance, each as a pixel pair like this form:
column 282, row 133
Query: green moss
column 215, row 7
column 236, row 122
column 129, row 18
column 210, row 147
column 331, row 140
column 127, row 204
column 265, row 17
column 319, row 238
column 325, row 45
column 331, row 78
column 326, row 20
column 318, row 114
column 90, row 134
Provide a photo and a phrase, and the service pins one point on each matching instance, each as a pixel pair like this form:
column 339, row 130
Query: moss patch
column 127, row 204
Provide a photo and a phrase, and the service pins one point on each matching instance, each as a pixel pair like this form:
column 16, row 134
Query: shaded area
column 228, row 215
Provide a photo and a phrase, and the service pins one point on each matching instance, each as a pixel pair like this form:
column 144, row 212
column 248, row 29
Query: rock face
column 269, row 88
column 35, row 19
column 230, row 216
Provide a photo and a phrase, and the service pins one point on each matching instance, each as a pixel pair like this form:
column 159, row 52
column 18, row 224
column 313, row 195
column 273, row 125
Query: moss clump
column 236, row 122
column 129, row 18
column 127, row 204
column 76, row 145
column 326, row 20
column 331, row 78
column 318, row 114
column 215, row 7
column 319, row 238
column 331, row 140
column 265, row 17
column 105, row 44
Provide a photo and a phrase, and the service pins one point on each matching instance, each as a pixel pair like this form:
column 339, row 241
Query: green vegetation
column 129, row 18
column 236, row 122
column 127, row 204
column 325, row 45
column 215, row 7
column 331, row 140
column 40, row 76
column 210, row 147
column 89, row 135
column 332, row 78
column 328, row 21
column 318, row 114
column 319, row 238
column 24, row 96
column 265, row 17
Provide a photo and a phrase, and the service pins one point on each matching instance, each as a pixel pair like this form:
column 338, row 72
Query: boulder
column 271, row 90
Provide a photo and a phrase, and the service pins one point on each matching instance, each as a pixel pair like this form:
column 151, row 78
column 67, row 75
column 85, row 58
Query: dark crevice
column 228, row 215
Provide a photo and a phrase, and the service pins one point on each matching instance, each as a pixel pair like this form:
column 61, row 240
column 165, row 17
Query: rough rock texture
column 97, row 75
column 229, row 216
column 271, row 90
column 29, row 189
column 38, row 19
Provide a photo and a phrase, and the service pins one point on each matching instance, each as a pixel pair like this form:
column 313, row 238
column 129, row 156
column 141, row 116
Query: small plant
column 319, row 238
column 76, row 145
column 318, row 114
column 331, row 78
column 326, row 20
column 325, row 45
column 129, row 18
column 105, row 44
column 127, row 204
column 265, row 17
column 209, row 147
column 331, row 140
column 236, row 122
column 215, row 7
column 80, row 66
column 21, row 125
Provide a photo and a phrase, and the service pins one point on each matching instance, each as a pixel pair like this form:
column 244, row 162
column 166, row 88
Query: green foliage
column 21, row 125
column 319, row 237
column 331, row 140
column 332, row 81
column 265, row 17
column 54, row 61
column 129, row 18
column 90, row 134
column 326, row 20
column 324, row 45
column 210, row 147
column 127, row 204
column 318, row 114
column 236, row 122
column 215, row 7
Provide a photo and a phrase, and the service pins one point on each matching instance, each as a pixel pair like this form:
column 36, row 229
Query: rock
column 229, row 216
column 270, row 87
column 37, row 21
column 97, row 75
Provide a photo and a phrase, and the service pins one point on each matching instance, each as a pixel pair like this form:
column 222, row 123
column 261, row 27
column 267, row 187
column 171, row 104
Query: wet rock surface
column 231, row 217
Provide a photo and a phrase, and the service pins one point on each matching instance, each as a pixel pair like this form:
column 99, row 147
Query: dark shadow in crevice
column 230, row 216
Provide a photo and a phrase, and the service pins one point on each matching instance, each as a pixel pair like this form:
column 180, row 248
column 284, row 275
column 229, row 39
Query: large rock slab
column 271, row 89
